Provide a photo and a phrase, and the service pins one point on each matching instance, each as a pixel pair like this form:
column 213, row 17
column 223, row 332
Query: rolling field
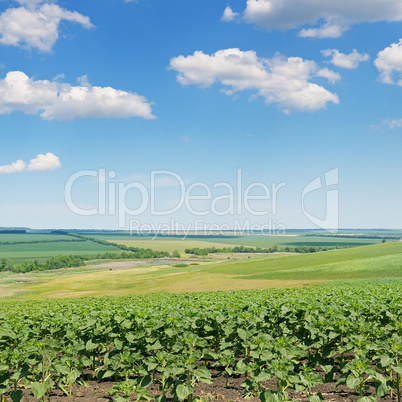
column 271, row 271
column 376, row 261
column 251, row 341
column 67, row 245
column 170, row 244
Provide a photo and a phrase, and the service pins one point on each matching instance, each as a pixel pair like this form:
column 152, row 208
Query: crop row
column 297, row 338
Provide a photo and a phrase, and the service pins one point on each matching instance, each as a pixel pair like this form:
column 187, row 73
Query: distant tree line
column 13, row 231
column 62, row 261
column 242, row 249
column 137, row 255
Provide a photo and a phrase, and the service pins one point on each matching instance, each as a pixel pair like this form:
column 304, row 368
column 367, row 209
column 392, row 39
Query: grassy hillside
column 376, row 261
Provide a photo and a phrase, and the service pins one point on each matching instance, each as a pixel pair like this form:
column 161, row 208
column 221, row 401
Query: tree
column 176, row 254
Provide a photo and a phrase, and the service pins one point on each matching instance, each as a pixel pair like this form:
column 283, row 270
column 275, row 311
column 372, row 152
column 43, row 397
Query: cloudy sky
column 95, row 96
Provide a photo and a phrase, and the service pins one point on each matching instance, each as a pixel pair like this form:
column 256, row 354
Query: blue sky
column 283, row 90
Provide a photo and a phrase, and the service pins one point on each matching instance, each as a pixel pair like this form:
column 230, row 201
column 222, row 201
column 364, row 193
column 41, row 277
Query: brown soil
column 97, row 391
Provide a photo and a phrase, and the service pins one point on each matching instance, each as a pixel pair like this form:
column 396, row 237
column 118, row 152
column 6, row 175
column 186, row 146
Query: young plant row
column 159, row 346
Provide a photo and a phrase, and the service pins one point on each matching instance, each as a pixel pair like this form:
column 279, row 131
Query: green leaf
column 4, row 378
column 16, row 396
column 120, row 398
column 146, row 381
column 270, row 396
column 202, row 372
column 39, row 389
column 4, row 368
column 102, row 374
column 367, row 399
column 381, row 389
column 263, row 376
column 352, row 381
column 62, row 369
column 385, row 360
column 183, row 391
column 316, row 398
column 397, row 370
column 90, row 345
column 86, row 361
column 7, row 334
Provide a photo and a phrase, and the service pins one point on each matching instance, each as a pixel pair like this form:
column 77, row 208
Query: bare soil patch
column 97, row 391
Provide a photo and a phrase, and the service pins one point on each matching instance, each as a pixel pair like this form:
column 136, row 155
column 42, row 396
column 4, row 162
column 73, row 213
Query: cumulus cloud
column 61, row 101
column 332, row 17
column 279, row 80
column 389, row 64
column 15, row 167
column 42, row 162
column 36, row 24
column 229, row 15
column 330, row 75
column 343, row 60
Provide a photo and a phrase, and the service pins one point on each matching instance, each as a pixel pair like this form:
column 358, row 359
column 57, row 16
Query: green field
column 7, row 237
column 171, row 243
column 276, row 345
column 262, row 333
column 42, row 251
column 292, row 241
column 247, row 272
column 376, row 261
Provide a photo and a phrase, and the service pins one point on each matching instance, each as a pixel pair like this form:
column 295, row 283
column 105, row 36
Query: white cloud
column 229, row 15
column 327, row 30
column 337, row 15
column 343, row 60
column 330, row 75
column 391, row 124
column 61, row 101
column 285, row 82
column 44, row 162
column 389, row 63
column 40, row 163
column 15, row 167
column 36, row 25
